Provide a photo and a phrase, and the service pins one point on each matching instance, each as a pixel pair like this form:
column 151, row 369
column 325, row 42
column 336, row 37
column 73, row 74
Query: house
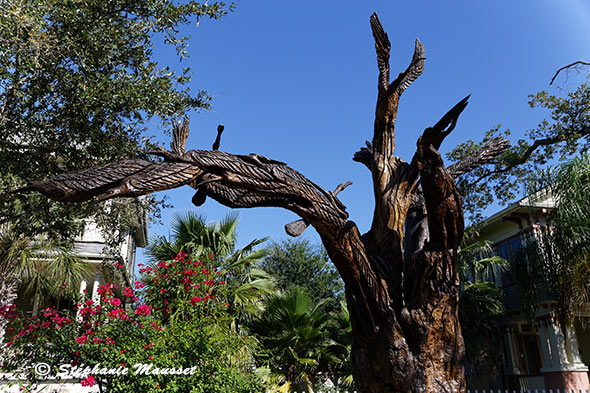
column 537, row 356
column 91, row 247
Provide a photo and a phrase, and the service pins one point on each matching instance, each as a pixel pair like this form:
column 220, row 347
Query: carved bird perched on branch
column 233, row 180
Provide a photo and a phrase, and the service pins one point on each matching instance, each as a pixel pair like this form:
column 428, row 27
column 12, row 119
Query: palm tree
column 341, row 334
column 480, row 303
column 558, row 258
column 39, row 268
column 193, row 235
column 297, row 348
column 477, row 261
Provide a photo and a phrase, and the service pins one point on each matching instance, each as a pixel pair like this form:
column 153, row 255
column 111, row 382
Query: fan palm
column 297, row 347
column 38, row 268
column 193, row 235
column 341, row 333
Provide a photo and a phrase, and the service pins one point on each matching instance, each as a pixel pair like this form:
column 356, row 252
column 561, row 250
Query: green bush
column 180, row 319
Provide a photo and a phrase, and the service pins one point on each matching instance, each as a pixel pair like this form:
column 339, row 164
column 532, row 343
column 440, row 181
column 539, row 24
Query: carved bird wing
column 156, row 177
column 414, row 70
column 120, row 179
column 383, row 47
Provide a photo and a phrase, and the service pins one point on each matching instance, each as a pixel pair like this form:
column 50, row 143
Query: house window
column 508, row 249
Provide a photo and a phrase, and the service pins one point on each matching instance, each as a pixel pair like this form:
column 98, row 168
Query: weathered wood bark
column 403, row 300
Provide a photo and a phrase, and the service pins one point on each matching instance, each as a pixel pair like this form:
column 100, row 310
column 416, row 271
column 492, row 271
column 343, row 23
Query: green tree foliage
column 557, row 259
column 340, row 330
column 297, row 350
column 78, row 81
column 565, row 134
column 298, row 263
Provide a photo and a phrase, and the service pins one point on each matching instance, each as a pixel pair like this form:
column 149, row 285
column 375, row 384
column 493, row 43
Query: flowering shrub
column 175, row 318
column 184, row 287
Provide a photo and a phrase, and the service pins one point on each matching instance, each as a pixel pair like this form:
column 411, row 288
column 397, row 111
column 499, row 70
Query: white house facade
column 541, row 355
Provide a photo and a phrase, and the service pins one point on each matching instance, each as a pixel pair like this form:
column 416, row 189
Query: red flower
column 128, row 292
column 143, row 310
column 106, row 289
column 88, row 381
column 138, row 284
column 82, row 340
column 155, row 325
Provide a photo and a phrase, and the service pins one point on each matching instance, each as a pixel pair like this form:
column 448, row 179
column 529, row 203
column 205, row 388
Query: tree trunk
column 401, row 281
column 36, row 302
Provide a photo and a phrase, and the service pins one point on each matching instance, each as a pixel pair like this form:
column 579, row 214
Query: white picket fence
column 529, row 391
column 483, row 391
column 486, row 391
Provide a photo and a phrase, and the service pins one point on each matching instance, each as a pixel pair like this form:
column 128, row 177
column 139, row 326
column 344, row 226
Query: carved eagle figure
column 233, row 180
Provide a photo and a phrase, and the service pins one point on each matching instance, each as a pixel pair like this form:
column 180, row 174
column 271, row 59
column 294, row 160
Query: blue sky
column 296, row 81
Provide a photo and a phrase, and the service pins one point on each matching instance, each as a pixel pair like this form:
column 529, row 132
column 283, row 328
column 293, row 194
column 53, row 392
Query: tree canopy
column 562, row 136
column 299, row 263
column 78, row 81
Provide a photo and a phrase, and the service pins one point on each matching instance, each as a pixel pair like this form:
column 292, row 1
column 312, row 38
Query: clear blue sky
column 296, row 81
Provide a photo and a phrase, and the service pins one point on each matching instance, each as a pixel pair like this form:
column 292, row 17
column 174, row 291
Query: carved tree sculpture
column 400, row 277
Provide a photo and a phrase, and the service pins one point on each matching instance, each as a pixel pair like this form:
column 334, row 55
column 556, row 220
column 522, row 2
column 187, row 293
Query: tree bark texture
column 400, row 278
